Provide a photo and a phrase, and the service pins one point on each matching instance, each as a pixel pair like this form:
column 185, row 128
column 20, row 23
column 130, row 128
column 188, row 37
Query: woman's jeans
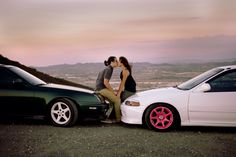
column 125, row 94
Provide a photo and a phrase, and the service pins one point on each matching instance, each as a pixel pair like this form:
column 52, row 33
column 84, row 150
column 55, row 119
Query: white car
column 206, row 100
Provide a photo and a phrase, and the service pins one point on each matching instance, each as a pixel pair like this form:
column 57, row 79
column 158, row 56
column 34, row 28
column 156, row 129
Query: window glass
column 6, row 78
column 27, row 76
column 199, row 79
column 226, row 82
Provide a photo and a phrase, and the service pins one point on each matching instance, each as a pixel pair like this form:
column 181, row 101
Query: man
column 104, row 88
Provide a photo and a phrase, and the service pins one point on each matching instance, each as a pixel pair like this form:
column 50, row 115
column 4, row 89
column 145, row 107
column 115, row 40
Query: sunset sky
column 48, row 32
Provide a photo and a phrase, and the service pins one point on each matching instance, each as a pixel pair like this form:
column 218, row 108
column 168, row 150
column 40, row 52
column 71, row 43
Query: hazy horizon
column 200, row 62
column 43, row 33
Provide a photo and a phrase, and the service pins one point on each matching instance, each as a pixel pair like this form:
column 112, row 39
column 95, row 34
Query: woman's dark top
column 130, row 84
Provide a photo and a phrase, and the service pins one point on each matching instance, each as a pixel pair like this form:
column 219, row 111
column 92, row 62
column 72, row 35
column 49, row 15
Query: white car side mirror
column 204, row 88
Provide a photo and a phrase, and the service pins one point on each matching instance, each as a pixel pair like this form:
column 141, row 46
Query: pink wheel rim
column 161, row 117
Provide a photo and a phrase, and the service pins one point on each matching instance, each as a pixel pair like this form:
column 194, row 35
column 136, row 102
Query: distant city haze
column 49, row 32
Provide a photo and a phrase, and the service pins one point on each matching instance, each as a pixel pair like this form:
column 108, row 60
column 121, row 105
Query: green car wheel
column 63, row 112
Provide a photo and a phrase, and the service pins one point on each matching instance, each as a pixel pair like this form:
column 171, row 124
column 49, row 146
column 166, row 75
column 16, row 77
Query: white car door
column 216, row 107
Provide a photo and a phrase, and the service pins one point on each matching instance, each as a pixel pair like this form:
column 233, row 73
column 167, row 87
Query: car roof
column 7, row 66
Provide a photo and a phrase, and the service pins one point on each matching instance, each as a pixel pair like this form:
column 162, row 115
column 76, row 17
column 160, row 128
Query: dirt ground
column 36, row 138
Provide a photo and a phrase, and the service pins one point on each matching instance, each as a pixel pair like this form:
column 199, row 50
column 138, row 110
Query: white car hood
column 168, row 95
column 159, row 91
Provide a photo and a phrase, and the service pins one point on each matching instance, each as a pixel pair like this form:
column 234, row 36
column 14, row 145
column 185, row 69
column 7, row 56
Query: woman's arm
column 125, row 74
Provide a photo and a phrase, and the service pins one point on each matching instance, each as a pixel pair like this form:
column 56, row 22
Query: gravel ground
column 38, row 139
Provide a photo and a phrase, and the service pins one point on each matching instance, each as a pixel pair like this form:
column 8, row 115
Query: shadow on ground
column 96, row 123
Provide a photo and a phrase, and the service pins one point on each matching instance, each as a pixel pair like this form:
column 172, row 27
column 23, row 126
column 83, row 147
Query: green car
column 22, row 94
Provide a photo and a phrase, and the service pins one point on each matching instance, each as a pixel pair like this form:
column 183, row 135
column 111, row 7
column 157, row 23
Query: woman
column 127, row 85
column 104, row 88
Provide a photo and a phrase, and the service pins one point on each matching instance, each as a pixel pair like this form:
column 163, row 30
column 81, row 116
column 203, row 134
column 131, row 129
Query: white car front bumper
column 132, row 114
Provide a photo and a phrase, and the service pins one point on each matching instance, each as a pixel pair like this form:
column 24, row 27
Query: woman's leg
column 125, row 94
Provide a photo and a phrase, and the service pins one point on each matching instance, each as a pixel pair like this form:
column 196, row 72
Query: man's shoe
column 108, row 121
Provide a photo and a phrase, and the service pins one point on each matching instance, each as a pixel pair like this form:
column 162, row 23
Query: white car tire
column 161, row 117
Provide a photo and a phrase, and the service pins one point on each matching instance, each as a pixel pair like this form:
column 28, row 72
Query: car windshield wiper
column 176, row 86
column 40, row 84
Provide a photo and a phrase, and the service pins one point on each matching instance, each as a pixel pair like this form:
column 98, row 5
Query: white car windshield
column 199, row 79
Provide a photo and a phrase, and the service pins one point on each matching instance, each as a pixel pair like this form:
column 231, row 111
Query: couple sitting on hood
column 127, row 85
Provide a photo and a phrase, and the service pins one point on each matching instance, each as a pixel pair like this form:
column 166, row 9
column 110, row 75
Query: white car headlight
column 132, row 103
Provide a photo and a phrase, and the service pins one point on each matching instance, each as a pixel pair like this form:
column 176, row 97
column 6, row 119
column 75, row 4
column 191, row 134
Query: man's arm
column 108, row 86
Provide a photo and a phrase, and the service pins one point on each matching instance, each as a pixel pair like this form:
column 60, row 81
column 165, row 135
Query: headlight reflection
column 132, row 103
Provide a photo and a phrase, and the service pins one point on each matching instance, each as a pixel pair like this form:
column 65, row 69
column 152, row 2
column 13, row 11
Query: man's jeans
column 114, row 99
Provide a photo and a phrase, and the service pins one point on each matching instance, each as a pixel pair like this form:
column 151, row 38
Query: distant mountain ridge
column 147, row 75
column 96, row 67
column 218, row 63
column 41, row 75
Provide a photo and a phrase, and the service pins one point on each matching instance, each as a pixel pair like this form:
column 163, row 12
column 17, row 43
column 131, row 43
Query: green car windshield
column 28, row 77
column 199, row 79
